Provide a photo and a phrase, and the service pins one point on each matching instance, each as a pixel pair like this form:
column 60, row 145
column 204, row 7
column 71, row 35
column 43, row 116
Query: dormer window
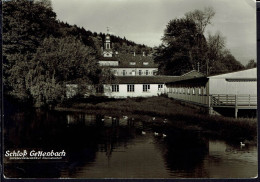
column 145, row 63
column 132, row 63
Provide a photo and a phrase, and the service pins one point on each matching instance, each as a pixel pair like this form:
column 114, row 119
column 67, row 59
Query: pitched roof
column 125, row 60
column 144, row 79
column 107, row 58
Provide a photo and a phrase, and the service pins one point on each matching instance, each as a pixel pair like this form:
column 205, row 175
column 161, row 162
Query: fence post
column 210, row 108
column 236, row 109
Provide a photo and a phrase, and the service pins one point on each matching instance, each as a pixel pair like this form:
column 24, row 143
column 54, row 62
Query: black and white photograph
column 129, row 89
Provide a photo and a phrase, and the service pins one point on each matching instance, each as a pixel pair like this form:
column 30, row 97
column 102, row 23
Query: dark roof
column 144, row 79
column 193, row 73
column 125, row 59
column 195, row 81
column 107, row 58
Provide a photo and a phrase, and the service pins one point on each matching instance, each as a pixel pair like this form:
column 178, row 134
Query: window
column 146, row 88
column 140, row 72
column 205, row 91
column 199, row 91
column 146, row 72
column 115, row 72
column 100, row 89
column 160, row 86
column 124, row 72
column 193, row 91
column 130, row 88
column 145, row 63
column 132, row 63
column 188, row 91
column 115, row 88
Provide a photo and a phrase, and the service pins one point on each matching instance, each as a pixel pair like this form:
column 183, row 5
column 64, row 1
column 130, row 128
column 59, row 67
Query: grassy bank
column 178, row 114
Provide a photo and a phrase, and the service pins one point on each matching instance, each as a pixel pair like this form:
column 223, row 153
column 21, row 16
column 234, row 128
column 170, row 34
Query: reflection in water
column 99, row 146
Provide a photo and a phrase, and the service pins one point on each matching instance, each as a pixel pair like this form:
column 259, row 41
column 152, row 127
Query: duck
column 165, row 121
column 102, row 119
column 109, row 117
column 125, row 117
column 114, row 118
column 163, row 135
column 242, row 144
column 143, row 132
column 156, row 134
column 153, row 118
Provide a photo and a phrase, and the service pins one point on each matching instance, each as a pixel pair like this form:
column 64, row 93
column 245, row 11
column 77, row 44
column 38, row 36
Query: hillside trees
column 42, row 54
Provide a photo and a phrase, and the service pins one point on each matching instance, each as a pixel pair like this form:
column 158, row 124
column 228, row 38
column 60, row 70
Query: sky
column 144, row 21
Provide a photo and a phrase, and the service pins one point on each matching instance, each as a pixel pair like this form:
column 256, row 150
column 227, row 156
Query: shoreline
column 179, row 115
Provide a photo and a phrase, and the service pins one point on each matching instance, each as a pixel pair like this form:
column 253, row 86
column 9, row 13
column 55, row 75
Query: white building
column 235, row 90
column 141, row 86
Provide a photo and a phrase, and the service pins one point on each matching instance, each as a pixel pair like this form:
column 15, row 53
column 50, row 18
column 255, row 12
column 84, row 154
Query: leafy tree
column 177, row 53
column 251, row 64
column 57, row 62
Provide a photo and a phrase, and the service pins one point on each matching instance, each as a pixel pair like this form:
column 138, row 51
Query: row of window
column 140, row 72
column 134, row 63
column 131, row 87
column 201, row 91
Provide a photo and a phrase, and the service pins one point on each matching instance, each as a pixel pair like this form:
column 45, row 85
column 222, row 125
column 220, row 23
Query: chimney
column 143, row 53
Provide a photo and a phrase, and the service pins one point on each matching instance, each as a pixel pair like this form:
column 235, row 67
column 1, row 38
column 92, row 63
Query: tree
column 201, row 18
column 251, row 64
column 178, row 52
column 57, row 62
column 216, row 45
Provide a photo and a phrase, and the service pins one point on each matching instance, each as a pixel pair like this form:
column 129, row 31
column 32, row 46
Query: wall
column 240, row 82
column 137, row 93
column 195, row 94
column 108, row 63
column 221, row 86
column 133, row 71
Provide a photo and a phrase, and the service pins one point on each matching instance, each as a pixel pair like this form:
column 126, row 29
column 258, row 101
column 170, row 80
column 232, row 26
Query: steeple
column 108, row 51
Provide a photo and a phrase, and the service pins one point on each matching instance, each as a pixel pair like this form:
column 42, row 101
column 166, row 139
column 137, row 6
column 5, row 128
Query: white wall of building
column 134, row 71
column 234, row 83
column 108, row 63
column 138, row 91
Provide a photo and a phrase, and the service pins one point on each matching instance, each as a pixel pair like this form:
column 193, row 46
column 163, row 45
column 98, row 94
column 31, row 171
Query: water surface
column 113, row 146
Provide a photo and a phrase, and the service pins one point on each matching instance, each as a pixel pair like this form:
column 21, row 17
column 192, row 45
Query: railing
column 218, row 100
column 233, row 100
column 197, row 99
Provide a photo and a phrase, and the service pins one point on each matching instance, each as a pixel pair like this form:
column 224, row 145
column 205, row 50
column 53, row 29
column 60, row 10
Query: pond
column 115, row 146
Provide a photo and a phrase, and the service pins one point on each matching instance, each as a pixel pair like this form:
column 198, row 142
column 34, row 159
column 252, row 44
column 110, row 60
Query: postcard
column 129, row 89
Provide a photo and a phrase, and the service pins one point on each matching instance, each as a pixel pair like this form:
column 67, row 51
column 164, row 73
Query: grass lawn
column 179, row 115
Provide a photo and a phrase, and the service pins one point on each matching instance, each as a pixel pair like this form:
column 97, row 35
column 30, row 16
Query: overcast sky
column 143, row 21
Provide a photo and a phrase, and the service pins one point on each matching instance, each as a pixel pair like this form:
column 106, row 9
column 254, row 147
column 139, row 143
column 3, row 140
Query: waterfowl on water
column 125, row 117
column 165, row 120
column 156, row 134
column 242, row 144
column 143, row 132
column 102, row 119
column 164, row 135
column 109, row 117
column 153, row 118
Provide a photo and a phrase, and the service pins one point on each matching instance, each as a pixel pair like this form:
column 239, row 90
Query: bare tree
column 216, row 46
column 201, row 18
